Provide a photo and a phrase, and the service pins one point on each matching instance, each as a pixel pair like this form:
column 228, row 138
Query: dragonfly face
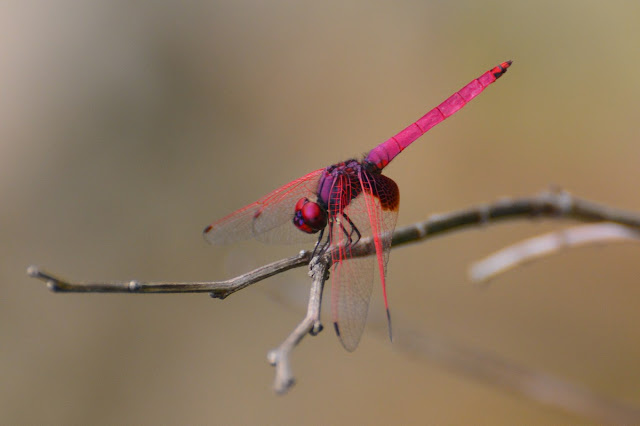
column 309, row 217
column 338, row 185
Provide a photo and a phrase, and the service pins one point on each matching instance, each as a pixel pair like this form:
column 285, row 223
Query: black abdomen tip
column 501, row 69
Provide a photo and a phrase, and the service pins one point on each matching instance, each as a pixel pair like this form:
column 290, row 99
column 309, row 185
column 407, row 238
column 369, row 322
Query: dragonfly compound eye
column 309, row 217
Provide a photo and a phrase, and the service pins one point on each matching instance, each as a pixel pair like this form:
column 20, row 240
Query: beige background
column 127, row 129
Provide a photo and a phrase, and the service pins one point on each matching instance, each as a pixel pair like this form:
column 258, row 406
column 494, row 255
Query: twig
column 548, row 244
column 550, row 204
column 493, row 370
column 217, row 289
column 547, row 204
column 279, row 357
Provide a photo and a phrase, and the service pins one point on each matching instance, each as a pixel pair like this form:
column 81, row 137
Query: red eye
column 301, row 202
column 314, row 216
column 309, row 216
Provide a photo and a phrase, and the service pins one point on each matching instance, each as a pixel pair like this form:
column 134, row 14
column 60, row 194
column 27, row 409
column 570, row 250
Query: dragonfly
column 339, row 205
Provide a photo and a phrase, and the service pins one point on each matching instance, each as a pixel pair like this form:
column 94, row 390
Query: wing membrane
column 269, row 219
column 374, row 212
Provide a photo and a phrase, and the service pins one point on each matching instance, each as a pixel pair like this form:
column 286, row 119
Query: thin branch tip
column 52, row 283
column 284, row 387
column 316, row 329
column 272, row 357
column 33, row 271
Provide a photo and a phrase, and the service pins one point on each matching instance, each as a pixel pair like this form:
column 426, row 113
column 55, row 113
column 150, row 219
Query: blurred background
column 126, row 128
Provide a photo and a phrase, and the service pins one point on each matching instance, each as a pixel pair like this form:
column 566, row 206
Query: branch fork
column 279, row 357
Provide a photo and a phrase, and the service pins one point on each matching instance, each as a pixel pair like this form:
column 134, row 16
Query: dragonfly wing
column 270, row 218
column 373, row 212
column 382, row 201
column 351, row 284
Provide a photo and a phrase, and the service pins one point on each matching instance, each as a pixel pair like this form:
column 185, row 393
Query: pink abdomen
column 381, row 155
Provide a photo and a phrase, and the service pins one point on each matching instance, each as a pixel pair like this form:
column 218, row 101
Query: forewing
column 270, row 218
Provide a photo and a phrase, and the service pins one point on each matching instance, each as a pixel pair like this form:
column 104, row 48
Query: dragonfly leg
column 354, row 229
column 347, row 234
column 319, row 248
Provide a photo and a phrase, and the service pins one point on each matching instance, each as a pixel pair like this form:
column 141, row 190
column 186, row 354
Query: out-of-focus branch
column 548, row 244
column 535, row 385
column 491, row 369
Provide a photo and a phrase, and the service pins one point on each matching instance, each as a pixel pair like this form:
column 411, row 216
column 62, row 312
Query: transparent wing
column 351, row 284
column 374, row 213
column 270, row 218
column 382, row 199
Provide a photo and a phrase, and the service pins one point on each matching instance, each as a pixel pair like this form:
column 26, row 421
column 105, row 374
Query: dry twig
column 549, row 204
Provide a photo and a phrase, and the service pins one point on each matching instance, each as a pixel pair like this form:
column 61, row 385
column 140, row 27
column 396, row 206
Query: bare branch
column 493, row 370
column 217, row 289
column 548, row 244
column 548, row 204
column 279, row 357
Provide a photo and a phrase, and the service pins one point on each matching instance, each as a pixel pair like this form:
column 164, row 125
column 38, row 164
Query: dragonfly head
column 309, row 217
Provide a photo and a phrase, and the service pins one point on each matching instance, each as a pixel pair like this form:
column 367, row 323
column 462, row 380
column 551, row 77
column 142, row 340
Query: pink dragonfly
column 343, row 203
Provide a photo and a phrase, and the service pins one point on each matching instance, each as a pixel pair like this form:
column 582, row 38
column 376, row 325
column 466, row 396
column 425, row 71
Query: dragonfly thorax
column 339, row 185
column 309, row 217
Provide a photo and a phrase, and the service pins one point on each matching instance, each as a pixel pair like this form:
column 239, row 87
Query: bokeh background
column 127, row 127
